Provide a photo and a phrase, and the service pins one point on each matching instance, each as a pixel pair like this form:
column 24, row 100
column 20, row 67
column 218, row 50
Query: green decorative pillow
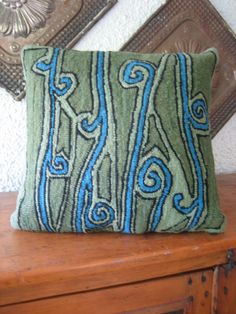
column 118, row 141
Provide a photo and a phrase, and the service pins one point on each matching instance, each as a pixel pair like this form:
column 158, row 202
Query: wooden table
column 115, row 273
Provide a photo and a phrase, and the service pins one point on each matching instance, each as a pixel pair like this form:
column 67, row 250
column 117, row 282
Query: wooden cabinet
column 113, row 273
column 187, row 293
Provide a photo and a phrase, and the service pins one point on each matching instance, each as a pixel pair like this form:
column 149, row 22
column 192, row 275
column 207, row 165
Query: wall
column 110, row 33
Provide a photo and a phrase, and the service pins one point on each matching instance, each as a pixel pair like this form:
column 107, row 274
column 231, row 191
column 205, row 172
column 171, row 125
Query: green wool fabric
column 119, row 142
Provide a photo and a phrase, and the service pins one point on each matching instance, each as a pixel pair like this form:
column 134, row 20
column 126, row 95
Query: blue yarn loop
column 102, row 214
column 157, row 183
column 199, row 111
column 58, row 165
column 135, row 73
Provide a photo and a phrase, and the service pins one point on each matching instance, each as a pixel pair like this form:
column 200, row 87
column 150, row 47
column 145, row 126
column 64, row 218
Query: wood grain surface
column 35, row 266
column 150, row 297
column 227, row 291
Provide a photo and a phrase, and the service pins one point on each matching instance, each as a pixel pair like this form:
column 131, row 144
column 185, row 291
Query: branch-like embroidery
column 52, row 164
column 194, row 118
column 90, row 215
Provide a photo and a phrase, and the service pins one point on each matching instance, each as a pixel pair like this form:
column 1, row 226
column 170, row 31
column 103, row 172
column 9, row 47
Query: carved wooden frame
column 193, row 26
column 58, row 23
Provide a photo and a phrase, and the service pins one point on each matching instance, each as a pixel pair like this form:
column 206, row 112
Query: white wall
column 110, row 33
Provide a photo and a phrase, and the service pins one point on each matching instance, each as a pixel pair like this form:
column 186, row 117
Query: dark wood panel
column 226, row 303
column 186, row 293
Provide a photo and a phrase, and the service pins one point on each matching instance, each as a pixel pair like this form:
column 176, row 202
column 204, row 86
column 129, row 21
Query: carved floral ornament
column 21, row 17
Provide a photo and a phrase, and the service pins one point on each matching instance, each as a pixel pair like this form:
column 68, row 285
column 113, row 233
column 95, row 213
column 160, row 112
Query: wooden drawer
column 187, row 293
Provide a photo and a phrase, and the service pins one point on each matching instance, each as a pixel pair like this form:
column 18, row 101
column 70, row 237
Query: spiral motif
column 67, row 82
column 154, row 185
column 64, row 80
column 91, row 127
column 60, row 166
column 199, row 116
column 134, row 72
column 178, row 198
column 100, row 216
column 154, row 180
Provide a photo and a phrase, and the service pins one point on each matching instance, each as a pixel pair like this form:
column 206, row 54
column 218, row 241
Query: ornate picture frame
column 58, row 23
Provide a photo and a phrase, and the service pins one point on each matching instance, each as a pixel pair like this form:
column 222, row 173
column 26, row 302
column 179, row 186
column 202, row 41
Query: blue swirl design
column 156, row 185
column 199, row 111
column 134, row 77
column 58, row 166
column 102, row 214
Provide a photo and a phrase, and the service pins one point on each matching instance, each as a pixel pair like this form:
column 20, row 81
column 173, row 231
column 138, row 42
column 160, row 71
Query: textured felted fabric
column 118, row 141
